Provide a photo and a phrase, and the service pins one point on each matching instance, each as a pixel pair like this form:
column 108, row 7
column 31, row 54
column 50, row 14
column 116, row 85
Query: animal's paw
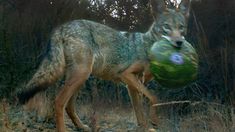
column 86, row 128
column 152, row 130
column 154, row 121
column 144, row 129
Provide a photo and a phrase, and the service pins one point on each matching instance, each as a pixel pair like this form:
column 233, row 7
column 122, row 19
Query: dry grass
column 202, row 117
column 211, row 120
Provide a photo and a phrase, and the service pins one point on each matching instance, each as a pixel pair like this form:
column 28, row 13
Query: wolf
column 81, row 48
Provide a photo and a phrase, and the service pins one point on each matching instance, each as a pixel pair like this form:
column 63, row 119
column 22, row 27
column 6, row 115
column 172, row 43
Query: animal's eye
column 166, row 27
column 181, row 27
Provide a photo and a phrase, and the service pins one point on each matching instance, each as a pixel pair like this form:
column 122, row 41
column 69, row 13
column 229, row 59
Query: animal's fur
column 80, row 48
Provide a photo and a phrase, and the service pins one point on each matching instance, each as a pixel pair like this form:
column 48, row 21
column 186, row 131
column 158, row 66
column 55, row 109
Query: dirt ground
column 115, row 118
column 16, row 119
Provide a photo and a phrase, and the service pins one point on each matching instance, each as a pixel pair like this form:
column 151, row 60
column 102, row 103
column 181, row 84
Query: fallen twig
column 172, row 102
column 193, row 103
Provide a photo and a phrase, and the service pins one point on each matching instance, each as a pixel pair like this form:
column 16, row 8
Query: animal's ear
column 185, row 6
column 157, row 7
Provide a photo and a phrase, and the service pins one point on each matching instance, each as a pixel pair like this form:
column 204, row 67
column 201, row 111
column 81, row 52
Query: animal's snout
column 179, row 43
column 177, row 39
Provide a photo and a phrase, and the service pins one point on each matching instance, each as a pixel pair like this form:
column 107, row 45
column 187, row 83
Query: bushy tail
column 51, row 68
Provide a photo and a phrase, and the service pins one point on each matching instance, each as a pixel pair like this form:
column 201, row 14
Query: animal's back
column 112, row 51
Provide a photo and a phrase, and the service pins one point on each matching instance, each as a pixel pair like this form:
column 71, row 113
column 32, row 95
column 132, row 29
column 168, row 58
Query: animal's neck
column 150, row 37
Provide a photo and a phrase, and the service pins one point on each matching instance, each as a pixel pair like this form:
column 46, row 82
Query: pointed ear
column 157, row 7
column 171, row 4
column 185, row 6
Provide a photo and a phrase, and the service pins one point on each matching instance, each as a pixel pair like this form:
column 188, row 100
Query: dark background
column 25, row 27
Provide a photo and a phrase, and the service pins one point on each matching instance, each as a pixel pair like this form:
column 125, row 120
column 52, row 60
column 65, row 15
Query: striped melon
column 173, row 67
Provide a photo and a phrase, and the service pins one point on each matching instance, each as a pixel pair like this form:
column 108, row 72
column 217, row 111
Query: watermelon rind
column 177, row 72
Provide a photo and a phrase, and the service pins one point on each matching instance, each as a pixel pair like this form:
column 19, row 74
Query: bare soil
column 37, row 116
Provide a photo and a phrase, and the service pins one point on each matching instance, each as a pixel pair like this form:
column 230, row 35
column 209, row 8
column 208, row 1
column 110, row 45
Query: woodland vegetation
column 25, row 27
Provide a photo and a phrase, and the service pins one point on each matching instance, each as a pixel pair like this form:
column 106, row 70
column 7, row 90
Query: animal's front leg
column 146, row 78
column 137, row 105
column 130, row 78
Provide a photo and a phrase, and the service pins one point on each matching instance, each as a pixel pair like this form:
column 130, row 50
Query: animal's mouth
column 176, row 42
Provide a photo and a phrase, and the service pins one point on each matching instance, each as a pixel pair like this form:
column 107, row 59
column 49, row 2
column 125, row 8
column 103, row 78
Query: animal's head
column 170, row 20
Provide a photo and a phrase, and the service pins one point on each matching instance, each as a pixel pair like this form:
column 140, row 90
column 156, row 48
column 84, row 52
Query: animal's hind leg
column 78, row 74
column 70, row 109
column 137, row 105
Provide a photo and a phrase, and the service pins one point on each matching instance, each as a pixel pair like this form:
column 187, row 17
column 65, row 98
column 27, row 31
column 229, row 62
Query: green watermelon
column 173, row 67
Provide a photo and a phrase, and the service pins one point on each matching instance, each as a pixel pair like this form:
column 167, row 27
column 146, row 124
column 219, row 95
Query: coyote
column 81, row 47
